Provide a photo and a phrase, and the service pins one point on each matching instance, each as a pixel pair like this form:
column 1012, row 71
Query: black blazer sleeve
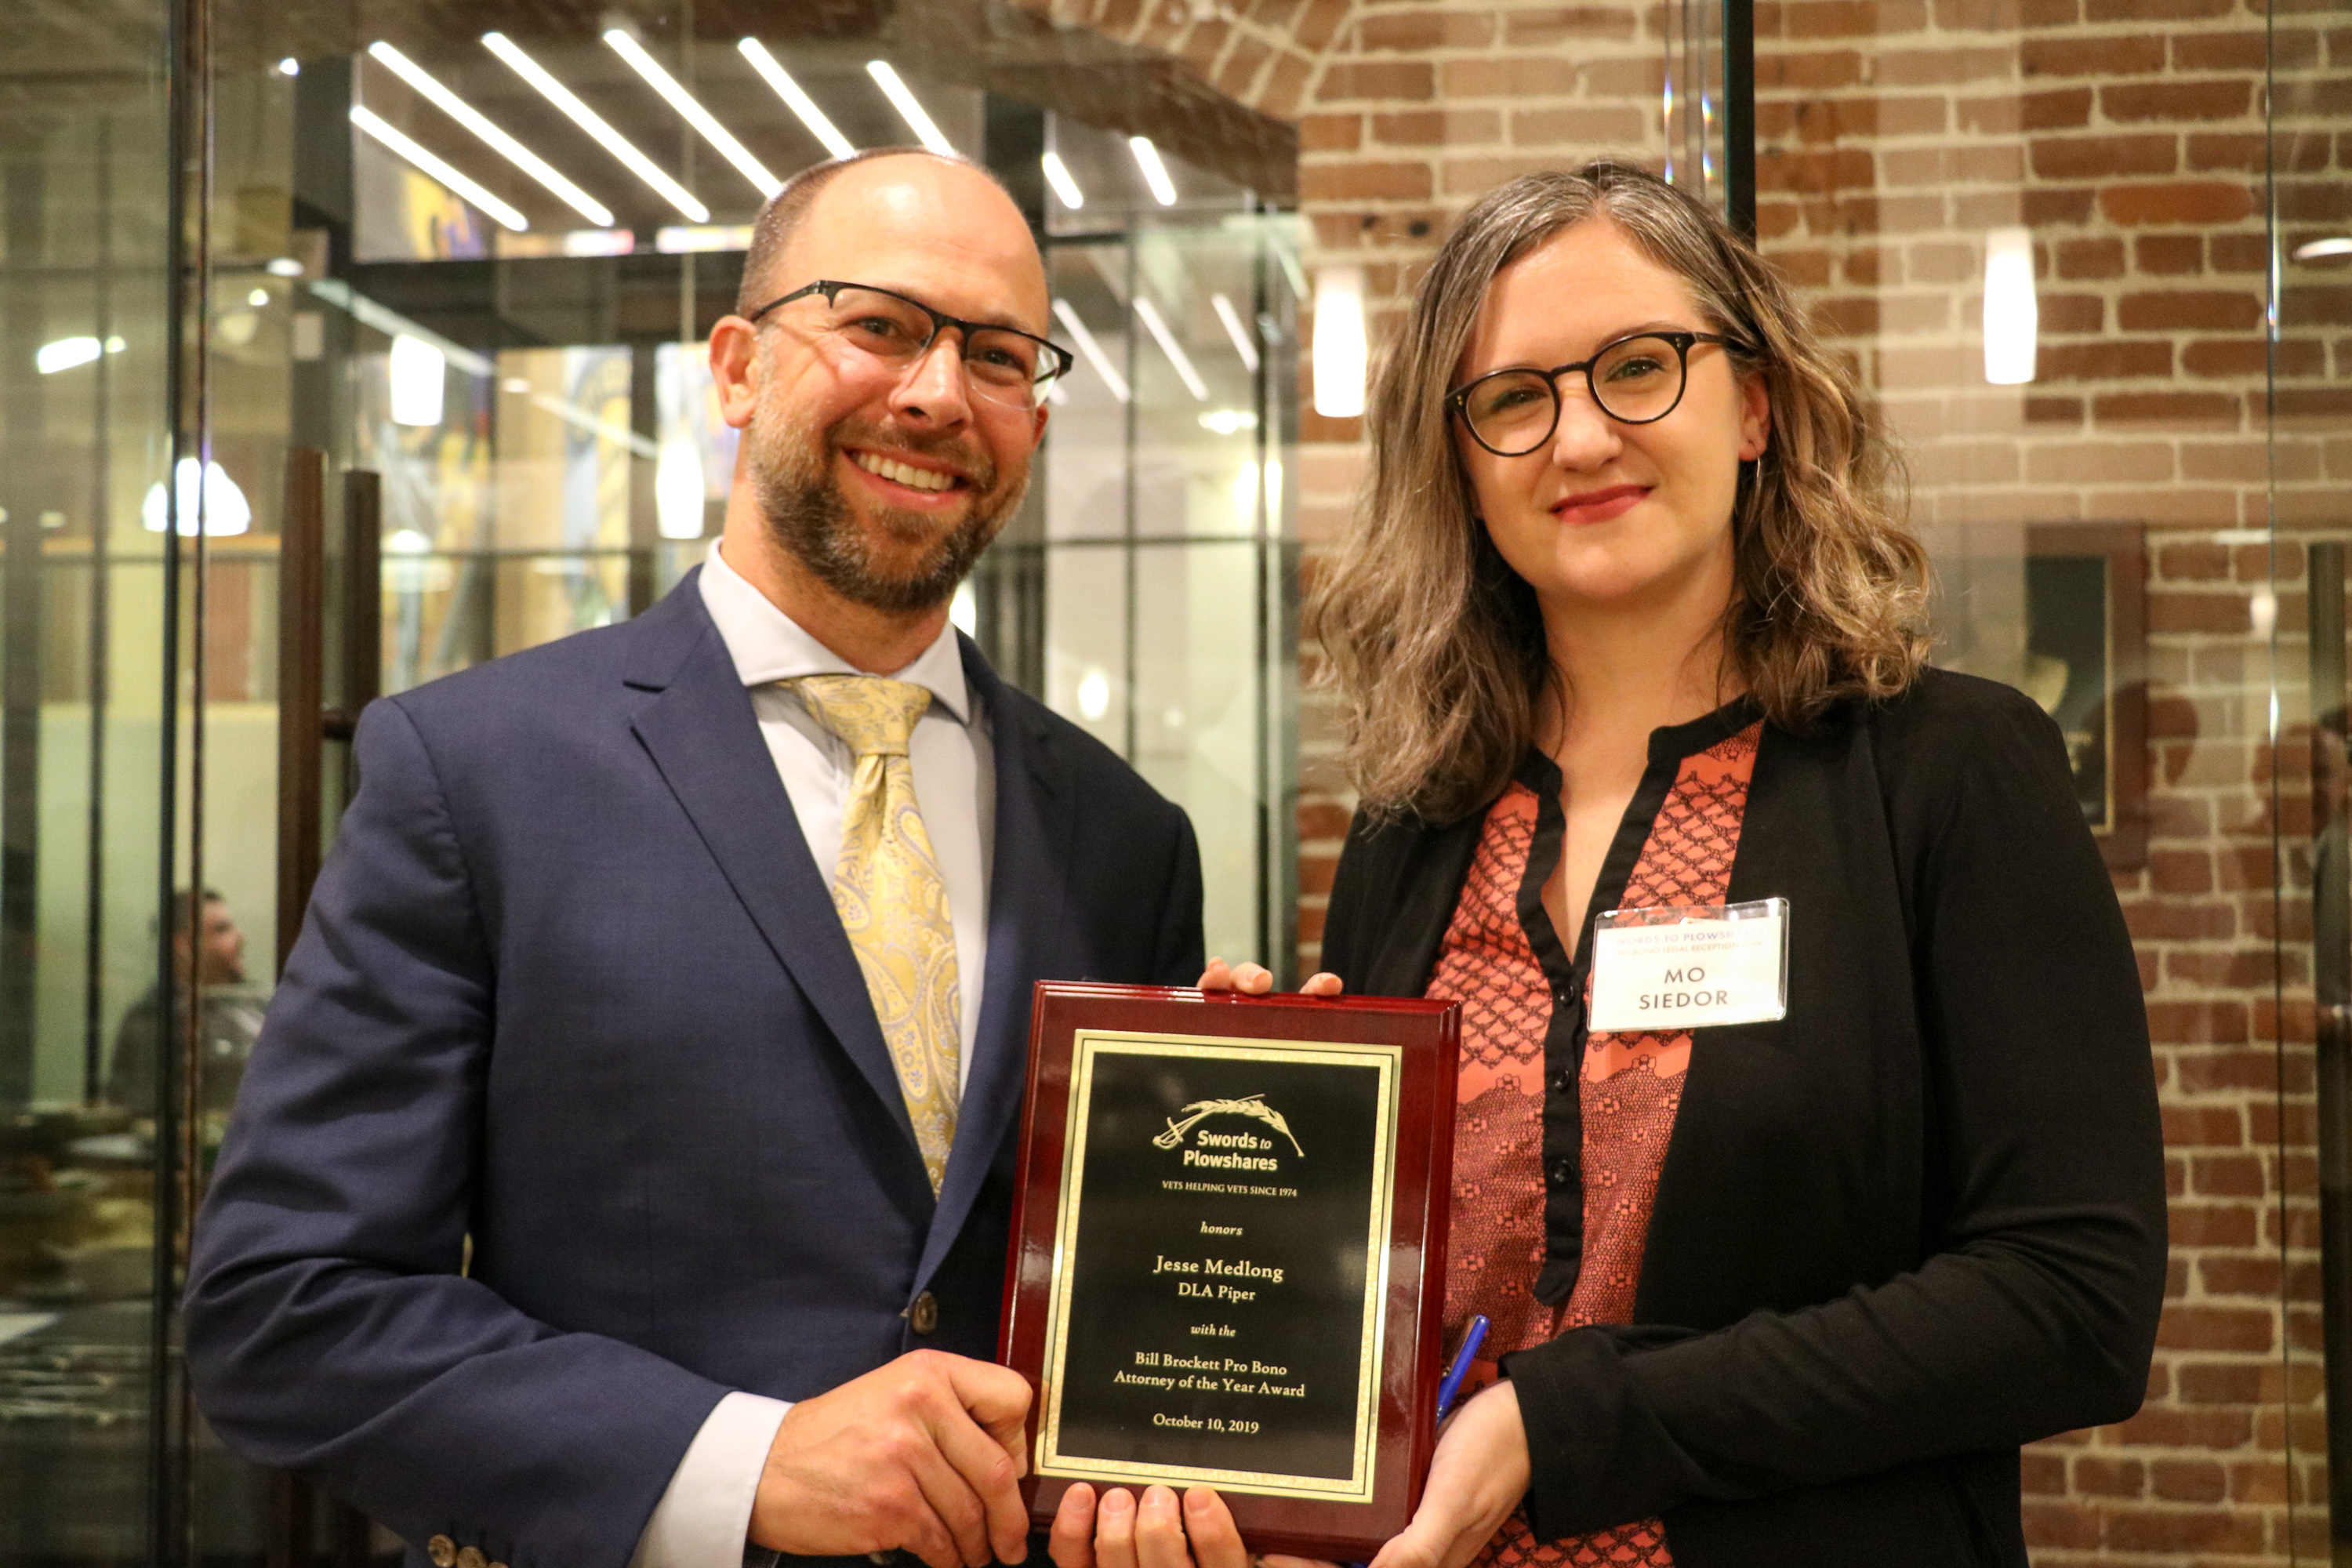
column 1178, row 960
column 2033, row 1310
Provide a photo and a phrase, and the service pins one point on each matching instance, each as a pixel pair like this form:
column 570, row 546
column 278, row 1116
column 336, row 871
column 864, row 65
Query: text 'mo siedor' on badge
column 1229, row 1244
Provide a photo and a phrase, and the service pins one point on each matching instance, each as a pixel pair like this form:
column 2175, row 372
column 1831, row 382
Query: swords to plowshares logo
column 1228, row 1150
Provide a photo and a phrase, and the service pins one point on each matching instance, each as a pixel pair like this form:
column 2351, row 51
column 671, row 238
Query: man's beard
column 792, row 474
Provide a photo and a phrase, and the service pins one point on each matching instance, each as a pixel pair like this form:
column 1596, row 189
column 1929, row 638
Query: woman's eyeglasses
column 1636, row 380
column 1004, row 364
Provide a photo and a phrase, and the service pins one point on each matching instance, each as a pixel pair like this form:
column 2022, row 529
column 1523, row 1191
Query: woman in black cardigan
column 1782, row 1275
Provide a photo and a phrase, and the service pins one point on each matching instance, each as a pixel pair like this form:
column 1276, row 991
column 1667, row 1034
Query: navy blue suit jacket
column 570, row 985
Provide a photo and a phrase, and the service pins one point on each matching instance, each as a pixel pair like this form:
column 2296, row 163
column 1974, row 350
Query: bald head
column 939, row 216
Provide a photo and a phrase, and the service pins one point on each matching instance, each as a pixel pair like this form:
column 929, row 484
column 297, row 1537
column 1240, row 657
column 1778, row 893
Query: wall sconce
column 2012, row 320
column 1341, row 350
column 418, row 370
column 225, row 507
column 677, row 490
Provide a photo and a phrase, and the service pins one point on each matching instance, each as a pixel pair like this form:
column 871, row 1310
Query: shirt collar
column 768, row 646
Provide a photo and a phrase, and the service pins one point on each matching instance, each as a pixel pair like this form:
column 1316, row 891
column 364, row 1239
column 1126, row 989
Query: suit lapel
column 702, row 735
column 1027, row 888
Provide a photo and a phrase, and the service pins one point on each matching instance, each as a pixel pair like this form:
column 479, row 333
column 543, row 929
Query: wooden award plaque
column 1229, row 1252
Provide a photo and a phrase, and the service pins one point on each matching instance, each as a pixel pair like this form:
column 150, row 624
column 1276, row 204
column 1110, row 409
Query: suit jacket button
column 442, row 1550
column 925, row 1314
column 471, row 1557
column 498, row 1566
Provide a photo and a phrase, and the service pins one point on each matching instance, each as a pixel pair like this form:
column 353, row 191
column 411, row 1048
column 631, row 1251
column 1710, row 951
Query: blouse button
column 1562, row 1172
column 1563, row 1081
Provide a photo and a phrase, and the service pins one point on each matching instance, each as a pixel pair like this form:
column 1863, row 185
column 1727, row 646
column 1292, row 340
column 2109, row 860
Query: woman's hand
column 1256, row 980
column 1478, row 1477
column 1158, row 1532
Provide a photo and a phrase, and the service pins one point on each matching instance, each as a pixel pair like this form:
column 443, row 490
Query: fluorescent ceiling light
column 1342, row 350
column 290, row 65
column 799, row 103
column 1229, row 421
column 258, row 298
column 215, row 498
column 1091, row 349
column 473, row 119
column 2011, row 318
column 701, row 119
column 432, row 164
column 283, row 267
column 1155, row 172
column 909, row 109
column 2320, row 250
column 1236, row 330
column 1150, row 315
column 419, row 371
column 67, row 353
column 588, row 119
column 1057, row 174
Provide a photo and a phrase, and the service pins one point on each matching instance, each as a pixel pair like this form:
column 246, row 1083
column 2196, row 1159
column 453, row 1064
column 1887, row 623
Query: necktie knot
column 872, row 715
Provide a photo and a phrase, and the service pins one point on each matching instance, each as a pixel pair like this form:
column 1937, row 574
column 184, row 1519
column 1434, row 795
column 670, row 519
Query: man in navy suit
column 573, row 1213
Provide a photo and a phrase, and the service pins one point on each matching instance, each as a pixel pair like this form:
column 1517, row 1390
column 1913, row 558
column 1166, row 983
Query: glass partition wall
column 436, row 392
column 92, row 722
column 411, row 302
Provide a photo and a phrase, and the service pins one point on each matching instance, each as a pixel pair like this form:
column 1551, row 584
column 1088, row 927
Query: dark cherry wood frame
column 1430, row 1034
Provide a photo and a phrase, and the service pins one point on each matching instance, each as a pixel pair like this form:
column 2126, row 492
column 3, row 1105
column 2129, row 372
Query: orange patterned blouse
column 1518, row 987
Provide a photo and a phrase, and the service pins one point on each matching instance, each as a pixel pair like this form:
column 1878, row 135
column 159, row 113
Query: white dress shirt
column 704, row 1517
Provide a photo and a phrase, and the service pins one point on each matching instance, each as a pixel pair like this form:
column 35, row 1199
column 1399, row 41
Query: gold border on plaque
column 1086, row 1045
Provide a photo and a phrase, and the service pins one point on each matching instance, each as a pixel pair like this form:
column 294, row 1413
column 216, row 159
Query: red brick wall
column 1891, row 137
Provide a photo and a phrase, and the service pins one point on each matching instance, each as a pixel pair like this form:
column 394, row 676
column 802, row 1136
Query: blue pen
column 1472, row 1338
column 1459, row 1368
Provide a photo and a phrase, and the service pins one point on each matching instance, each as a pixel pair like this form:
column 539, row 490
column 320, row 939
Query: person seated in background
column 208, row 958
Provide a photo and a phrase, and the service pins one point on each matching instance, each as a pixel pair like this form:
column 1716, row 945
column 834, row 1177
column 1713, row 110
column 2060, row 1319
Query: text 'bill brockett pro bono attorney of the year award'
column 1229, row 1247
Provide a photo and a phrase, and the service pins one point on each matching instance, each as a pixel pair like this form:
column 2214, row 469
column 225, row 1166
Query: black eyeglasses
column 1636, row 380
column 1006, row 365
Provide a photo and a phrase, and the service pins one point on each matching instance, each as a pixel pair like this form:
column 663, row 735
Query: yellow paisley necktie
column 892, row 900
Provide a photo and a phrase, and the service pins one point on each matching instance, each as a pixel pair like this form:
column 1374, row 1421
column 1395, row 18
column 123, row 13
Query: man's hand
column 1476, row 1479
column 1120, row 1531
column 1256, row 980
column 920, row 1454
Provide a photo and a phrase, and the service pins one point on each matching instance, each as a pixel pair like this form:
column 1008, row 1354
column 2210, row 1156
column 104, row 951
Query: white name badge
column 1668, row 969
